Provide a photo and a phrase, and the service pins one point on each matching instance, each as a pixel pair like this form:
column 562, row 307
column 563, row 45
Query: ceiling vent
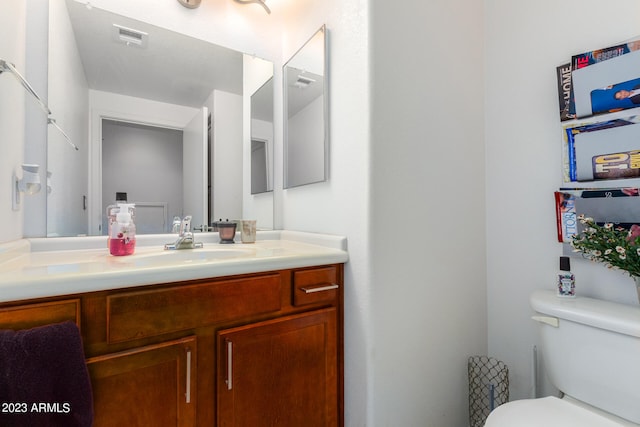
column 303, row 81
column 129, row 36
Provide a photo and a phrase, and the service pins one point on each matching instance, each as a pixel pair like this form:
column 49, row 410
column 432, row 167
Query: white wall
column 36, row 72
column 227, row 154
column 305, row 146
column 68, row 98
column 428, row 280
column 12, row 115
column 342, row 204
column 525, row 42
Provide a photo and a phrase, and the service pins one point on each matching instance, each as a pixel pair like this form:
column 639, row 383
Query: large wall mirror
column 157, row 115
column 306, row 136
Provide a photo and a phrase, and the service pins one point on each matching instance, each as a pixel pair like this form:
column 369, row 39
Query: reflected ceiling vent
column 303, row 81
column 129, row 36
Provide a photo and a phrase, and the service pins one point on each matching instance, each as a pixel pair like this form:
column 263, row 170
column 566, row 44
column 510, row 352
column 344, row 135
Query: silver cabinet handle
column 188, row 393
column 229, row 380
column 320, row 289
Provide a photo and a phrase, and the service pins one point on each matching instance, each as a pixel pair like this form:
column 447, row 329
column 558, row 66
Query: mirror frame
column 325, row 111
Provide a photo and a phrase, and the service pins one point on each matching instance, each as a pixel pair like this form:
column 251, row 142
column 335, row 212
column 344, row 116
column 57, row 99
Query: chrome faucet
column 185, row 237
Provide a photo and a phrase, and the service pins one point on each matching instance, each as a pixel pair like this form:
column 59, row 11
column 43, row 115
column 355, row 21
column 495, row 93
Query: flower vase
column 637, row 280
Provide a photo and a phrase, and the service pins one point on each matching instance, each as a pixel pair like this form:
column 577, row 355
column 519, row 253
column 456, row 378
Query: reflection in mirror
column 258, row 112
column 128, row 148
column 262, row 138
column 107, row 67
column 306, row 136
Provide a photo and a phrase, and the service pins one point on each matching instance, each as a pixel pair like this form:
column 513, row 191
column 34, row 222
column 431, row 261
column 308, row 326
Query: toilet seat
column 550, row 412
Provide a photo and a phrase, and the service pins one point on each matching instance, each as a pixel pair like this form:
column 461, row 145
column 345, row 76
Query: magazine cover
column 607, row 86
column 569, row 133
column 620, row 206
column 564, row 92
column 566, row 217
column 612, row 153
column 616, row 97
column 587, row 59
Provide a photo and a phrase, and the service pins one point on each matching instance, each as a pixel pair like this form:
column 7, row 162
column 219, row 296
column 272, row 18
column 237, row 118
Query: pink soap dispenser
column 122, row 240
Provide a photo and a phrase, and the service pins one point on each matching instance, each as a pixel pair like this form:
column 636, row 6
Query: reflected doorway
column 146, row 163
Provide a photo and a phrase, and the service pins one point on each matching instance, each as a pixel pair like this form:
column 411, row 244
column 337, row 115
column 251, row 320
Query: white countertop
column 35, row 268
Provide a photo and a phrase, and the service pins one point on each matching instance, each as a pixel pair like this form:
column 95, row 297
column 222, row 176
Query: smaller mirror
column 306, row 130
column 262, row 138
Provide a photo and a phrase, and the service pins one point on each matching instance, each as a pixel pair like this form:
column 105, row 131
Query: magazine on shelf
column 612, row 153
column 571, row 130
column 565, row 73
column 566, row 217
column 604, row 80
column 564, row 92
column 593, row 57
column 619, row 206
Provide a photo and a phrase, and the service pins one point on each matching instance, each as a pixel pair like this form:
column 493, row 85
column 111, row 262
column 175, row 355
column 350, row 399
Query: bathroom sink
column 48, row 263
column 205, row 254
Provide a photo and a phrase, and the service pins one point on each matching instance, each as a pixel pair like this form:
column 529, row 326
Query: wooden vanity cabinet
column 150, row 386
column 280, row 372
column 251, row 350
column 286, row 371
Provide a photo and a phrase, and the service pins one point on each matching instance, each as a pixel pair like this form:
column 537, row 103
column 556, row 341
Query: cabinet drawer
column 316, row 285
column 135, row 315
column 31, row 315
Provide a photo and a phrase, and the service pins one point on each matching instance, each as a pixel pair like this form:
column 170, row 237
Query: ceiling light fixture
column 260, row 2
column 191, row 4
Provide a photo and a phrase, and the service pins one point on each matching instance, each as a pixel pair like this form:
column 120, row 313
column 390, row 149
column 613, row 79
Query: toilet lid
column 548, row 412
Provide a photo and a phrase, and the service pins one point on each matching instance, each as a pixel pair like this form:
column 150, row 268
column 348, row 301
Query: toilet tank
column 591, row 350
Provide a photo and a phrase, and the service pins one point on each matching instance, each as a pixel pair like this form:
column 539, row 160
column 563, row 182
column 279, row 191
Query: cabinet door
column 148, row 386
column 281, row 372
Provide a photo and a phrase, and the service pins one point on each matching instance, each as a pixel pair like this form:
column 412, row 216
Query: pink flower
column 634, row 233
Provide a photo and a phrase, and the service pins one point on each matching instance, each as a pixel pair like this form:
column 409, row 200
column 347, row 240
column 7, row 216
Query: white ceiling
column 172, row 68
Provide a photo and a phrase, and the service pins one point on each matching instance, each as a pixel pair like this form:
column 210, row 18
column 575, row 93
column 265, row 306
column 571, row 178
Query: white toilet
column 591, row 351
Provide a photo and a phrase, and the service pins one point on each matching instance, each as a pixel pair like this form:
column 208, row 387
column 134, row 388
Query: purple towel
column 44, row 380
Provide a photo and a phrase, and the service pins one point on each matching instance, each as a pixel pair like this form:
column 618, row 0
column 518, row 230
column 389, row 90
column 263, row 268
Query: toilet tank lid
column 621, row 318
column 551, row 410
